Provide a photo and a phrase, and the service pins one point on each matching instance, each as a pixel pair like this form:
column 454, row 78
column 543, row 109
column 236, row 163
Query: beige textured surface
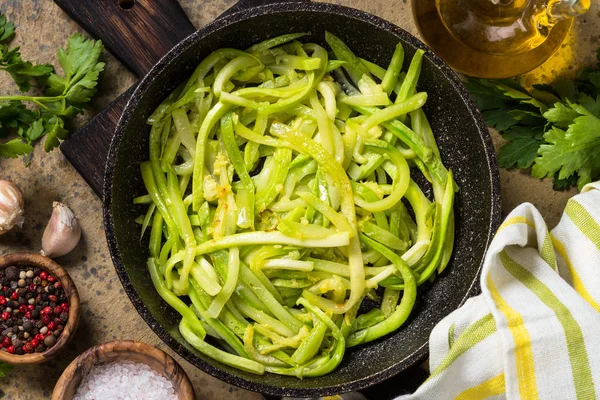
column 107, row 313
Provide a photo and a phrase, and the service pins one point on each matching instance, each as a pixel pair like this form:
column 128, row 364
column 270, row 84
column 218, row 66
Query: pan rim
column 223, row 23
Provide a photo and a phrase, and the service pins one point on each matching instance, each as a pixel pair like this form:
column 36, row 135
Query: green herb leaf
column 570, row 151
column 527, row 117
column 591, row 105
column 500, row 118
column 505, row 103
column 7, row 29
column 595, row 79
column 521, row 131
column 561, row 115
column 35, row 131
column 486, row 95
column 566, row 89
column 564, row 184
column 55, row 128
column 5, row 369
column 569, row 112
column 14, row 148
column 21, row 71
column 513, row 90
column 519, row 153
column 545, row 93
column 14, row 116
column 522, row 148
column 65, row 96
column 81, row 67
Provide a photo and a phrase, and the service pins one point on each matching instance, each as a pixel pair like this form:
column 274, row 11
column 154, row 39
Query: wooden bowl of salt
column 126, row 361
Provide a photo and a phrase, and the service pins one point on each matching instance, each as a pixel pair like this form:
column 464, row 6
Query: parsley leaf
column 5, row 369
column 554, row 130
column 564, row 184
column 593, row 106
column 55, row 129
column 14, row 148
column 561, row 115
column 7, row 29
column 65, row 96
column 504, row 103
column 521, row 150
column 35, row 131
column 567, row 152
column 14, row 115
column 81, row 67
column 21, row 71
column 519, row 153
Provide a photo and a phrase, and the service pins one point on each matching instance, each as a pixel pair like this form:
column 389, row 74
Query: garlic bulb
column 11, row 206
column 62, row 232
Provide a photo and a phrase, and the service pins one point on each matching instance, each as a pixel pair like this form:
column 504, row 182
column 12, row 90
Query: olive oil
column 495, row 38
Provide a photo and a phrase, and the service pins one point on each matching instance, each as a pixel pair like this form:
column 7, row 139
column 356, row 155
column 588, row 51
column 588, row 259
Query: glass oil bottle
column 495, row 38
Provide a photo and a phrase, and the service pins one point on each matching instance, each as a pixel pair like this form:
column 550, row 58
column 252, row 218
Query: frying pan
column 461, row 133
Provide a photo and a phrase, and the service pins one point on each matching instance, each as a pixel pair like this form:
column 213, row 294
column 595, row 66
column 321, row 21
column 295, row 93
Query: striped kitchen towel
column 534, row 332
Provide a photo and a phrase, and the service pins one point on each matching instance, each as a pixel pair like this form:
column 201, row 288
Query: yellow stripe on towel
column 491, row 387
column 516, row 220
column 523, row 351
column 580, row 367
column 577, row 282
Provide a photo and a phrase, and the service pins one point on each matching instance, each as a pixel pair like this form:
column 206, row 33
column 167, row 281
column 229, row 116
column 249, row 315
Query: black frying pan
column 463, row 140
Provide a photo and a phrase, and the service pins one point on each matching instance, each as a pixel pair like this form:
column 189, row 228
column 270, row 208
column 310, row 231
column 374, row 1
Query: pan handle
column 138, row 33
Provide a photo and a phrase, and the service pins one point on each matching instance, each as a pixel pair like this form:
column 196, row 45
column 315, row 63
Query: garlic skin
column 62, row 232
column 11, row 206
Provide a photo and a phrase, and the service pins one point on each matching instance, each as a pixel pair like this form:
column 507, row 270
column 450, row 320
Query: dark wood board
column 138, row 36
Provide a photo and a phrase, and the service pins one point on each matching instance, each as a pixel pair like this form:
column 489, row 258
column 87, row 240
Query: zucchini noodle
column 279, row 196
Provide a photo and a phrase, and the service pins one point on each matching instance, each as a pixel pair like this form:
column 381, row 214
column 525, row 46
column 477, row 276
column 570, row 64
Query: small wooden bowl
column 56, row 270
column 121, row 350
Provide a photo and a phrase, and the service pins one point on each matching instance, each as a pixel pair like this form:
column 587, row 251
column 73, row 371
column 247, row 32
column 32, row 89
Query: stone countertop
column 107, row 314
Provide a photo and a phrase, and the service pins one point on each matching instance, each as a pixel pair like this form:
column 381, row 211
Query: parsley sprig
column 5, row 369
column 552, row 130
column 64, row 96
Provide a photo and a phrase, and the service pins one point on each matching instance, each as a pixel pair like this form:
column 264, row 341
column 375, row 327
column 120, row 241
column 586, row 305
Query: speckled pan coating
column 465, row 146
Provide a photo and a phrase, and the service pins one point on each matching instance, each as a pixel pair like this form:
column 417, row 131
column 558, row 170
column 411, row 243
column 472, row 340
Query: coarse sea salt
column 125, row 380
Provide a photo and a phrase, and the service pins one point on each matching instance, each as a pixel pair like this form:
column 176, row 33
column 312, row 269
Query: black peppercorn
column 27, row 326
column 12, row 273
column 31, row 309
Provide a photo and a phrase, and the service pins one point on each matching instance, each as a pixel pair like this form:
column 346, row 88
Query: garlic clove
column 11, row 206
column 62, row 232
